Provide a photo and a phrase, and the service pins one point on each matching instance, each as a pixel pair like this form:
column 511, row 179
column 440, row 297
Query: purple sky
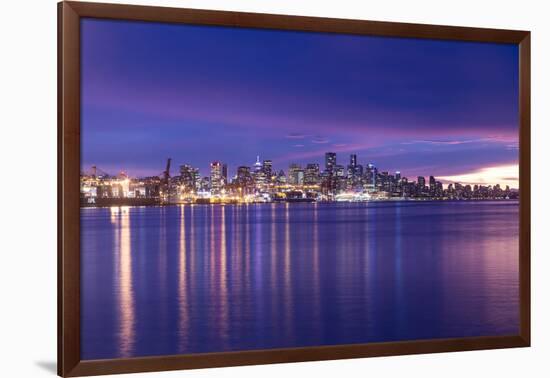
column 197, row 94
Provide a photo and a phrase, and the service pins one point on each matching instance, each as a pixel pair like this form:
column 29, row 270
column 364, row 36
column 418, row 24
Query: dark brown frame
column 69, row 14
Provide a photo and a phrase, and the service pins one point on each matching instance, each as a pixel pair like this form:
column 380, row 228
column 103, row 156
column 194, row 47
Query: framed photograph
column 239, row 188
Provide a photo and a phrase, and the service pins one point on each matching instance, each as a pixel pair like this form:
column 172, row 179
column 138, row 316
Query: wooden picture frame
column 69, row 16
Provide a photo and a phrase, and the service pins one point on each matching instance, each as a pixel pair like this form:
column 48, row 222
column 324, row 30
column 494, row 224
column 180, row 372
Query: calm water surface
column 193, row 279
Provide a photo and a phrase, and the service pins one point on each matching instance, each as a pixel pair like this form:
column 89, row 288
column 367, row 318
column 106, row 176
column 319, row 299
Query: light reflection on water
column 125, row 285
column 182, row 286
column 192, row 278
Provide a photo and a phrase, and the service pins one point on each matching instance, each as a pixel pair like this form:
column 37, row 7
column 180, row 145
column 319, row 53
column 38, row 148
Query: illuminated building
column 224, row 173
column 353, row 160
column 189, row 177
column 432, row 185
column 340, row 177
column 216, row 178
column 311, row 175
column 281, row 178
column 355, row 173
column 421, row 184
column 295, row 174
column 369, row 182
column 267, row 168
column 257, row 164
column 330, row 162
column 244, row 181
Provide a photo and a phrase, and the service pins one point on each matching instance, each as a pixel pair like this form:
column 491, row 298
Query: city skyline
column 418, row 106
column 262, row 183
column 232, row 171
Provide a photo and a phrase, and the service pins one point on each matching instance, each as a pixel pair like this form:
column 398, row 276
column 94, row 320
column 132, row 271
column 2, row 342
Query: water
column 194, row 279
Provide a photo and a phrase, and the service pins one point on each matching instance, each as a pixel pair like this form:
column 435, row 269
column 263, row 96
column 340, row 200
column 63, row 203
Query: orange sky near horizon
column 503, row 175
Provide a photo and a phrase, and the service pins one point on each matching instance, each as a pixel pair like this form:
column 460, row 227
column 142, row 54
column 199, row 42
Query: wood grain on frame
column 69, row 14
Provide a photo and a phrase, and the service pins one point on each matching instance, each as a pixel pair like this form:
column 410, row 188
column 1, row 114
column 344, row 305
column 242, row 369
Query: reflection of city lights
column 126, row 300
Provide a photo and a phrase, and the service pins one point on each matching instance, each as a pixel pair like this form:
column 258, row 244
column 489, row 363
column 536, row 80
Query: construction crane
column 166, row 173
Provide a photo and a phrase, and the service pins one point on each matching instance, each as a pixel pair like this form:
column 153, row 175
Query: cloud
column 443, row 142
column 510, row 140
column 295, row 136
column 320, row 140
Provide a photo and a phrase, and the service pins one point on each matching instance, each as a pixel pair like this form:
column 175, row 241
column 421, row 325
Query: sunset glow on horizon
column 502, row 175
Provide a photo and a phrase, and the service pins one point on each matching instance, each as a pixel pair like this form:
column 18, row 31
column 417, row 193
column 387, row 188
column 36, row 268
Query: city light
column 261, row 183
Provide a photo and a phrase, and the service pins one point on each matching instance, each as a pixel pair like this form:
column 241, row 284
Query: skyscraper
column 421, row 184
column 267, row 168
column 295, row 174
column 243, row 174
column 370, row 177
column 340, row 178
column 189, row 178
column 421, row 181
column 216, row 178
column 432, row 185
column 224, row 173
column 244, row 180
column 311, row 176
column 330, row 162
column 281, row 178
column 355, row 173
column 353, row 160
column 259, row 176
column 257, row 164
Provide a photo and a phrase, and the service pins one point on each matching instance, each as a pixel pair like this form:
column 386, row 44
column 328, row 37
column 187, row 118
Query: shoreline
column 516, row 200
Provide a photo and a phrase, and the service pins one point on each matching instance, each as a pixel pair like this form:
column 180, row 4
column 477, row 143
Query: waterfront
column 208, row 278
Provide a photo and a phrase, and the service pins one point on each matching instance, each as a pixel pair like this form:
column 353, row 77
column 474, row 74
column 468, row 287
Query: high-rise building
column 421, row 184
column 216, row 178
column 243, row 173
column 370, row 176
column 359, row 171
column 189, row 178
column 243, row 180
column 330, row 162
column 421, row 181
column 351, row 171
column 267, row 168
column 432, row 185
column 258, row 176
column 353, row 160
column 385, row 183
column 311, row 175
column 340, row 178
column 257, row 164
column 438, row 189
column 224, row 173
column 339, row 171
column 397, row 184
column 354, row 173
column 281, row 178
column 295, row 174
column 204, row 184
